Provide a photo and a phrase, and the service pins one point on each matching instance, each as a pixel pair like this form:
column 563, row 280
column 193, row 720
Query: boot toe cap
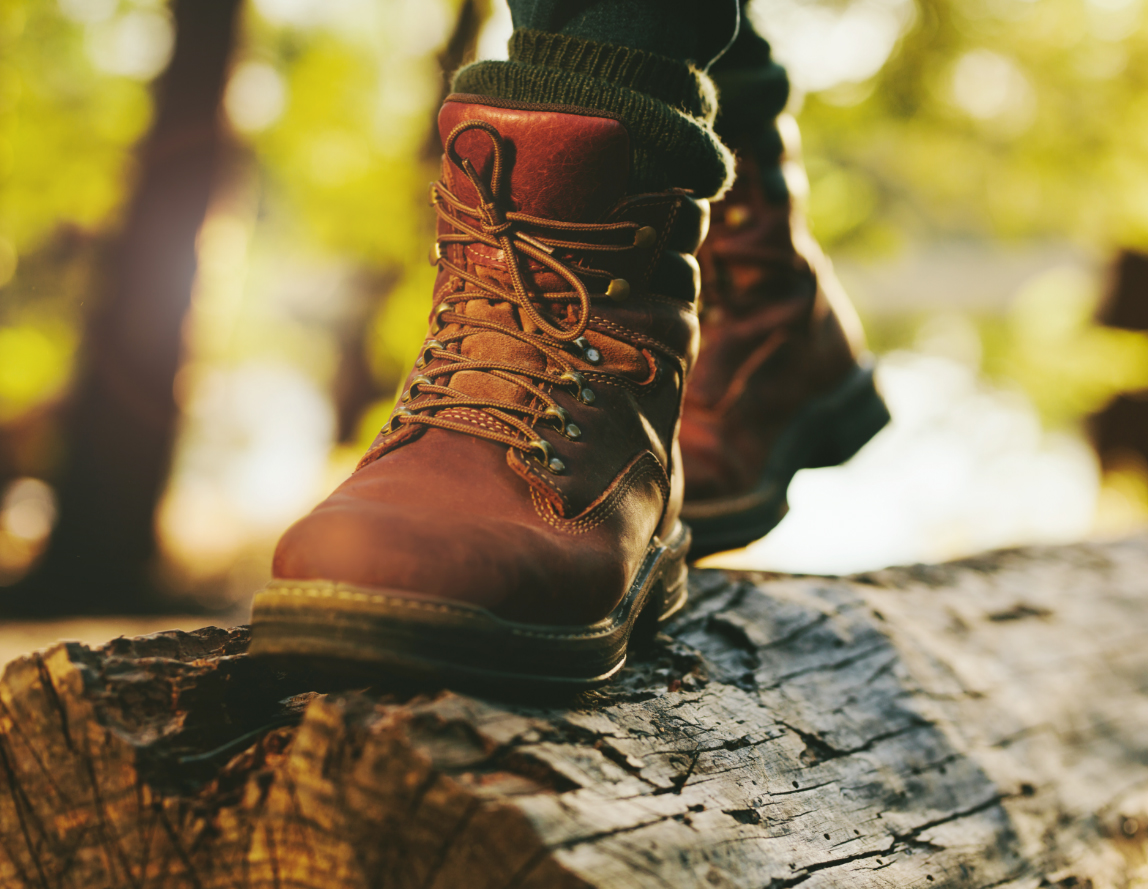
column 505, row 567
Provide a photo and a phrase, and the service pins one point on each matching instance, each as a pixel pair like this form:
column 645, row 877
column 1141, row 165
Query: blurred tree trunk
column 123, row 415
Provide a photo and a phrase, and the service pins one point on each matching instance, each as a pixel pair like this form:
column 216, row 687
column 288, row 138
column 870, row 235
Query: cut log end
column 982, row 723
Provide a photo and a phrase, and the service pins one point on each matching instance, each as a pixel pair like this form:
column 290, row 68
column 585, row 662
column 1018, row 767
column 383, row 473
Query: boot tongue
column 560, row 165
column 556, row 165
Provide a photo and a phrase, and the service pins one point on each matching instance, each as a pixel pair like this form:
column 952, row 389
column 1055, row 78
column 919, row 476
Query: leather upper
column 435, row 510
column 776, row 332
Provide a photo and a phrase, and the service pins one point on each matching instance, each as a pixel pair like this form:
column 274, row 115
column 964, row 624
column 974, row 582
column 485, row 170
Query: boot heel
column 670, row 591
column 830, row 431
column 855, row 414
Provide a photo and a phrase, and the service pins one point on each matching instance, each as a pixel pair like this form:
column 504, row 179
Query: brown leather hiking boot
column 779, row 384
column 520, row 508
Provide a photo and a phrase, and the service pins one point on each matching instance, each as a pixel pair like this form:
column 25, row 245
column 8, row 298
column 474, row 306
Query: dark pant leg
column 753, row 90
column 695, row 31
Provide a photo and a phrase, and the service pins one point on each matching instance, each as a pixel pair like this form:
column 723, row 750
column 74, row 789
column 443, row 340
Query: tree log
column 982, row 723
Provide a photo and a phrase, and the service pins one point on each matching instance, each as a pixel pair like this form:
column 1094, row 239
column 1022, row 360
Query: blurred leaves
column 344, row 155
column 353, row 180
column 1000, row 120
column 1021, row 120
column 67, row 131
column 994, row 118
column 34, row 365
column 66, row 128
column 1050, row 345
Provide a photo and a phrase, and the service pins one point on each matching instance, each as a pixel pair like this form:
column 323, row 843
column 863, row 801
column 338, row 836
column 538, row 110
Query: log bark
column 977, row 724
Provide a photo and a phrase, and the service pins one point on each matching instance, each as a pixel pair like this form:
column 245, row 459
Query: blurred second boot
column 782, row 382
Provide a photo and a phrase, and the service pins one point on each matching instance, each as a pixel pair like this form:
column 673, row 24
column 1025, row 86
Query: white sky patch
column 255, row 96
column 824, row 45
column 962, row 468
column 136, row 44
column 410, row 28
column 88, row 12
column 1114, row 20
column 299, row 13
column 424, row 26
column 988, row 85
column 495, row 33
column 28, row 510
column 252, row 460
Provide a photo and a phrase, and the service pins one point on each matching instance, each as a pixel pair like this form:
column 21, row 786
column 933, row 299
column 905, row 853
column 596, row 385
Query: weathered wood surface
column 978, row 724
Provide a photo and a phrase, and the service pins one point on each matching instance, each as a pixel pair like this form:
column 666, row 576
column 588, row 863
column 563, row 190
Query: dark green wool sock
column 667, row 105
column 752, row 91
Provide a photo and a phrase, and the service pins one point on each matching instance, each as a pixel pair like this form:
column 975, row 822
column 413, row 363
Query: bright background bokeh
column 975, row 166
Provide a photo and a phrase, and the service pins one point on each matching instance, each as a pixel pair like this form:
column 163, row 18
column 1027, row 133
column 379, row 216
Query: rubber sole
column 377, row 633
column 827, row 432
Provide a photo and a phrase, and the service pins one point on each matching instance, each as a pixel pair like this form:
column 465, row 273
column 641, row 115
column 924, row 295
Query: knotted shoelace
column 519, row 237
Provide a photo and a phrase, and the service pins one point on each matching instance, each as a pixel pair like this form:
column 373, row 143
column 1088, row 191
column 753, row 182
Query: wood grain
column 976, row 724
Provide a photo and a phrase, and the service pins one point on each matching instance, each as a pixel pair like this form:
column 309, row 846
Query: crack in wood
column 780, row 732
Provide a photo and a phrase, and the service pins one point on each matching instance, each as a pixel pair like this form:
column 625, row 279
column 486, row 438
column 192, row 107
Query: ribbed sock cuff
column 667, row 106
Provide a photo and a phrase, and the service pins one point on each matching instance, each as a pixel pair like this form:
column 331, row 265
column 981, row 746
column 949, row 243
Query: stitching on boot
column 603, row 325
column 392, row 441
column 475, row 418
column 434, row 607
column 355, row 596
column 641, row 468
column 539, row 484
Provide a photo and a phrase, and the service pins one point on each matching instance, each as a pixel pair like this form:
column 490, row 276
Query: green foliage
column 1049, row 344
column 1003, row 119
column 34, row 366
column 346, row 168
column 993, row 118
column 66, row 128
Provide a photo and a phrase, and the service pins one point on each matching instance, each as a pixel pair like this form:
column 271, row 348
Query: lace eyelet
column 590, row 353
column 564, row 422
column 430, row 346
column 618, row 290
column 390, row 425
column 549, row 459
column 420, row 380
column 581, row 391
column 436, row 321
column 646, row 237
column 435, row 255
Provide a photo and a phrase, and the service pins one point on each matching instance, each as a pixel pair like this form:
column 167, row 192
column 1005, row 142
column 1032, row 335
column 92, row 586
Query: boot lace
column 520, row 237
